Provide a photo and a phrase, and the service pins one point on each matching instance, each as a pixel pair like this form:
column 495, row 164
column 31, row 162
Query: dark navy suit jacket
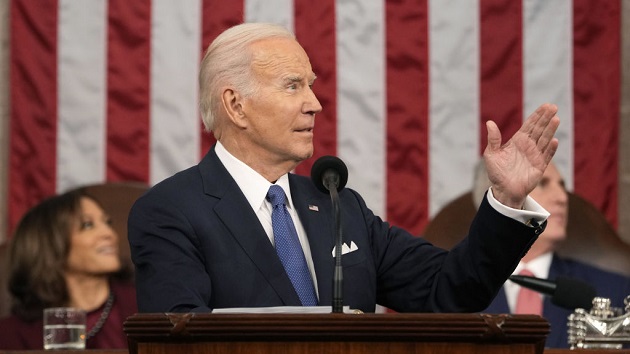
column 609, row 285
column 197, row 245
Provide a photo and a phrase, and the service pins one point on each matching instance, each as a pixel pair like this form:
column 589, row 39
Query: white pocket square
column 345, row 249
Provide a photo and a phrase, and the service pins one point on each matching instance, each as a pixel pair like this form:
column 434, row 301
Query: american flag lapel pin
column 313, row 207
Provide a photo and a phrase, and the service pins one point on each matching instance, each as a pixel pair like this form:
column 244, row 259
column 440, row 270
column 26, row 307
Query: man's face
column 281, row 113
column 552, row 195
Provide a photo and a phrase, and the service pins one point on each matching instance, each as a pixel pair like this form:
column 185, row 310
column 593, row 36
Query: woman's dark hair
column 38, row 253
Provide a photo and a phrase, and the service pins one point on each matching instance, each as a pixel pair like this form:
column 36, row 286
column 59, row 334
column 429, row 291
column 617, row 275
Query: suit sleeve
column 170, row 274
column 415, row 276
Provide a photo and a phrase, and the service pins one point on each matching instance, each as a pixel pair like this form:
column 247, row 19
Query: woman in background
column 64, row 253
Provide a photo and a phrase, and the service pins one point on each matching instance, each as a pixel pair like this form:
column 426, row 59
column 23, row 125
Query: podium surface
column 335, row 333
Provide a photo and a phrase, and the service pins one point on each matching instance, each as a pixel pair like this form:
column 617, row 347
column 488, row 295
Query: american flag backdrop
column 107, row 90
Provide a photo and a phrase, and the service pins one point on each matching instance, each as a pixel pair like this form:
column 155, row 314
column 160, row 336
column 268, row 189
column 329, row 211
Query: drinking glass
column 64, row 328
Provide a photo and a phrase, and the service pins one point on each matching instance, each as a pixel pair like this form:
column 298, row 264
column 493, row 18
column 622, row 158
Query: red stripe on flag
column 596, row 77
column 217, row 16
column 407, row 114
column 128, row 90
column 33, row 83
column 501, row 88
column 315, row 30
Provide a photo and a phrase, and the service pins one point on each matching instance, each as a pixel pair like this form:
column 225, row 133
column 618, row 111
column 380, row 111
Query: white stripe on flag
column 454, row 99
column 175, row 56
column 361, row 98
column 273, row 11
column 548, row 69
column 82, row 91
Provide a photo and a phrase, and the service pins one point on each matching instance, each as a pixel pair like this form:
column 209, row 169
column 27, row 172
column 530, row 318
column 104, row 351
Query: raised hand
column 515, row 168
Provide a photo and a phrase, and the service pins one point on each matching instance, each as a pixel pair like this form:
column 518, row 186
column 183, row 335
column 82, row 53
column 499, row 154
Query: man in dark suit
column 206, row 237
column 544, row 262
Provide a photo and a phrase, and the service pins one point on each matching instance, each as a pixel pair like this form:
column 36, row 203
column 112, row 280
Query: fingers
column 550, row 150
column 494, row 136
column 547, row 133
column 538, row 122
column 542, row 126
column 531, row 121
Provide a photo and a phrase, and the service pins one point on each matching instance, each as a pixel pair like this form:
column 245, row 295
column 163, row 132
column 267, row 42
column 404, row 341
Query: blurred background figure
column 64, row 253
column 543, row 261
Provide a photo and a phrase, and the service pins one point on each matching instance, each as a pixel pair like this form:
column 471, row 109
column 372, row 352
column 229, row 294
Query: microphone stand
column 337, row 299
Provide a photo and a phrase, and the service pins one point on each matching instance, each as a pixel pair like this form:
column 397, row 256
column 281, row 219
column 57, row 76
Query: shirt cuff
column 532, row 213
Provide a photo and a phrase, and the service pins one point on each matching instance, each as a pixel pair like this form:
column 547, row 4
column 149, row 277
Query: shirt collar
column 539, row 266
column 253, row 185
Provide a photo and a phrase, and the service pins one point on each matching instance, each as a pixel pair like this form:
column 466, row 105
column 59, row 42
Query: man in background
column 542, row 261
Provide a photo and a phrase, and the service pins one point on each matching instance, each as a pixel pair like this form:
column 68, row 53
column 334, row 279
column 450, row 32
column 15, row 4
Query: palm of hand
column 515, row 168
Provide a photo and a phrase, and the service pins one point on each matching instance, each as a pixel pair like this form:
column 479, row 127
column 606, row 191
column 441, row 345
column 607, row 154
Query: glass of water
column 64, row 328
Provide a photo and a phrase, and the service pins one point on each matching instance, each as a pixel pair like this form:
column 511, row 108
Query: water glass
column 64, row 328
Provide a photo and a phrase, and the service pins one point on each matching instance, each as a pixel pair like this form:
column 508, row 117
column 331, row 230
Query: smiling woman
column 65, row 253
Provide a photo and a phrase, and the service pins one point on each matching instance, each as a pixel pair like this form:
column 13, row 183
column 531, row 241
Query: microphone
column 330, row 174
column 565, row 292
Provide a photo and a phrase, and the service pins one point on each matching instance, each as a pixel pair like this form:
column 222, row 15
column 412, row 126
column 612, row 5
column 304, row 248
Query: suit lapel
column 239, row 218
column 315, row 212
column 558, row 267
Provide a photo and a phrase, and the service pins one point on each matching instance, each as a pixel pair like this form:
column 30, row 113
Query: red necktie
column 528, row 301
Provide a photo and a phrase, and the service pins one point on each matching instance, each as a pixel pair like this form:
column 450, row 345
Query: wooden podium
column 335, row 333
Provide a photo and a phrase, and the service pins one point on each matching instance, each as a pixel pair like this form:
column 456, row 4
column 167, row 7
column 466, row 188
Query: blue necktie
column 288, row 247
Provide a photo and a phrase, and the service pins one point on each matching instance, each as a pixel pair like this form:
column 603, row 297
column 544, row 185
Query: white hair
column 227, row 61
